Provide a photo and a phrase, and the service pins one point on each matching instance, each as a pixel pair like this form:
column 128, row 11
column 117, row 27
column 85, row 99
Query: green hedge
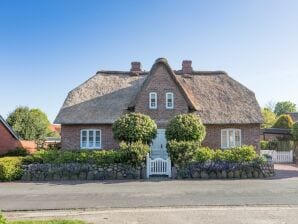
column 16, row 152
column 187, row 151
column 234, row 155
column 101, row 157
column 10, row 168
column 134, row 153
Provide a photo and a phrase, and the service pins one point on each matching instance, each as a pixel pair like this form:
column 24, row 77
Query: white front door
column 159, row 144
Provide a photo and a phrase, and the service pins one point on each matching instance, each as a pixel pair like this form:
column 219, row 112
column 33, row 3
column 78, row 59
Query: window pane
column 170, row 100
column 97, row 139
column 231, row 138
column 224, row 143
column 153, row 99
column 84, row 139
column 237, row 138
column 91, row 139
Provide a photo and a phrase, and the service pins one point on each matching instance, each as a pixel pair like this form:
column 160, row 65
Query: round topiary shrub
column 283, row 121
column 134, row 127
column 186, row 127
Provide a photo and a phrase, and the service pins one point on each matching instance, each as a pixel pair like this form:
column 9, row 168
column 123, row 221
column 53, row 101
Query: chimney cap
column 186, row 66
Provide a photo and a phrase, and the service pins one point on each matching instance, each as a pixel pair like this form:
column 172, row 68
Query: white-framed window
column 230, row 138
column 153, row 100
column 169, row 100
column 91, row 139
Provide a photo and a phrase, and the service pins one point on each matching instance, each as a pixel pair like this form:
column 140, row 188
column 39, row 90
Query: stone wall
column 223, row 171
column 77, row 171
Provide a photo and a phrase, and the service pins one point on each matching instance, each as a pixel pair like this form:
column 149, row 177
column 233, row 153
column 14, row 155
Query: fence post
column 169, row 168
column 147, row 166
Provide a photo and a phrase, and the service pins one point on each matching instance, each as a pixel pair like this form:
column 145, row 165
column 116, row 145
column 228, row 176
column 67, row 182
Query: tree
column 284, row 107
column 269, row 118
column 186, row 127
column 30, row 124
column 283, row 121
column 134, row 127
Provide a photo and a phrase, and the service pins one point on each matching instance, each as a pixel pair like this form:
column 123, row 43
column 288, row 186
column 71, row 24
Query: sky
column 47, row 48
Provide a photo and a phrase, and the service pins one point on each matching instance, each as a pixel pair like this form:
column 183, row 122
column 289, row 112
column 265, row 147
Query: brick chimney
column 135, row 66
column 186, row 66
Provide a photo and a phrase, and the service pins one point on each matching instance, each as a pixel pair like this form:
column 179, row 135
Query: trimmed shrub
column 16, row 152
column 134, row 127
column 186, row 127
column 10, row 168
column 204, row 154
column 102, row 157
column 182, row 152
column 264, row 145
column 134, row 153
column 243, row 154
column 283, row 121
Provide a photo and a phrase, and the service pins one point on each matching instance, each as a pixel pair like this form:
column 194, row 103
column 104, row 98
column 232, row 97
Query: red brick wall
column 250, row 135
column 70, row 136
column 161, row 82
column 7, row 141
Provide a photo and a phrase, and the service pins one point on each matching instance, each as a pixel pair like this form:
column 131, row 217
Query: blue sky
column 49, row 47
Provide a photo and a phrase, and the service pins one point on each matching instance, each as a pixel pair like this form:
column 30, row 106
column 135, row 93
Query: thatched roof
column 214, row 96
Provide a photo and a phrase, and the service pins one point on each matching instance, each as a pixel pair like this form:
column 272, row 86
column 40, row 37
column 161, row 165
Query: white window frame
column 94, row 139
column 151, row 96
column 229, row 143
column 167, row 98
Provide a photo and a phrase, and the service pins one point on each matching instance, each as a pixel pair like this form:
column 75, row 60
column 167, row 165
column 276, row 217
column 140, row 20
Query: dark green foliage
column 135, row 152
column 283, row 121
column 101, row 157
column 16, row 152
column 294, row 131
column 10, row 168
column 30, row 124
column 134, row 127
column 182, row 152
column 264, row 145
column 284, row 107
column 186, row 127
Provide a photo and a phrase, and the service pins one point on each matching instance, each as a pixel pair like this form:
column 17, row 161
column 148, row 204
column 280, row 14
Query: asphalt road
column 283, row 190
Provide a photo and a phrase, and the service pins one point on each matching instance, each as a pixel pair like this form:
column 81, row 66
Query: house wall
column 7, row 141
column 161, row 82
column 70, row 136
column 250, row 135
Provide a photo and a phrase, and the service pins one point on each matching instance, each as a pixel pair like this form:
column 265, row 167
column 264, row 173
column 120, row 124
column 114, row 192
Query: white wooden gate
column 279, row 156
column 158, row 166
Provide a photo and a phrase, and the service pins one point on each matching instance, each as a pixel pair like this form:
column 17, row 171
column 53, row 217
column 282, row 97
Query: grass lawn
column 47, row 222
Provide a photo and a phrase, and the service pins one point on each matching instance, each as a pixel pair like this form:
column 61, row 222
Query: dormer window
column 153, row 100
column 169, row 100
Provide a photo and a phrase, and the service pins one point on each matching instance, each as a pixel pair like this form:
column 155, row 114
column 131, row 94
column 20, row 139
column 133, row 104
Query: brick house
column 8, row 138
column 228, row 109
